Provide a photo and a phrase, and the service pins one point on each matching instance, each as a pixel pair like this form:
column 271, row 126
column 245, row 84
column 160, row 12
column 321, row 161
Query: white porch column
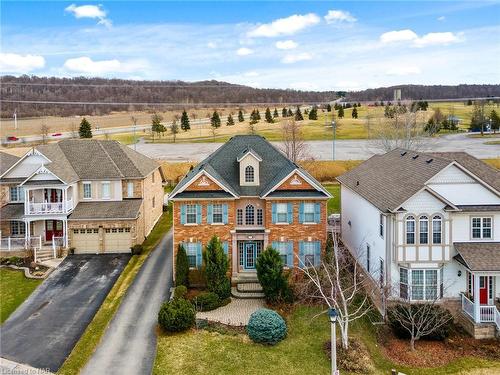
column 234, row 253
column 27, row 233
column 65, row 233
column 26, row 201
column 476, row 298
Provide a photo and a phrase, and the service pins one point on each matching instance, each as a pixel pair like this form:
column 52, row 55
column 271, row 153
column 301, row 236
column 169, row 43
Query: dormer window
column 249, row 174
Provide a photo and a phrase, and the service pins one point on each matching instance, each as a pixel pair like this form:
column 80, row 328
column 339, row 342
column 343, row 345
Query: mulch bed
column 437, row 353
column 34, row 269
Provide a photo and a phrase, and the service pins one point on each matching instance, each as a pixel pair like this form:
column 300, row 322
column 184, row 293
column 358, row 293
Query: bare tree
column 44, row 132
column 174, row 129
column 339, row 283
column 403, row 130
column 293, row 144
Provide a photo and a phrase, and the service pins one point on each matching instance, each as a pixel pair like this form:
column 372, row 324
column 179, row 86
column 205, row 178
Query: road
column 129, row 344
column 355, row 149
column 44, row 329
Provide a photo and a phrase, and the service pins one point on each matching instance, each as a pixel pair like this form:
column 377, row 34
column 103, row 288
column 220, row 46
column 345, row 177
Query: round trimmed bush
column 177, row 315
column 206, row 301
column 266, row 327
column 180, row 291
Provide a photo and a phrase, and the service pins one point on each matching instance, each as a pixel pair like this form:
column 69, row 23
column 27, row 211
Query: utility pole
column 15, row 119
column 134, row 120
column 333, row 144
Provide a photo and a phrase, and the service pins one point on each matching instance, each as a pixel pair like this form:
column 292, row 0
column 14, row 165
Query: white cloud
column 244, row 51
column 14, row 63
column 251, row 74
column 86, row 65
column 337, row 16
column 285, row 26
column 293, row 58
column 442, row 18
column 212, row 45
column 403, row 70
column 286, row 44
column 89, row 11
column 398, row 36
column 432, row 39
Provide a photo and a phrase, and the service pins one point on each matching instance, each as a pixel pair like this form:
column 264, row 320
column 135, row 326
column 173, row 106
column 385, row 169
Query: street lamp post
column 334, row 125
column 332, row 313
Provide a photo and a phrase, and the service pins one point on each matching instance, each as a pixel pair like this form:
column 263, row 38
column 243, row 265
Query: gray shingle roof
column 478, row 256
column 223, row 166
column 12, row 211
column 126, row 209
column 388, row 180
column 6, row 161
column 91, row 159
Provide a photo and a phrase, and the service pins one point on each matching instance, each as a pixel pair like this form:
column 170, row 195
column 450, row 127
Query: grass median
column 95, row 330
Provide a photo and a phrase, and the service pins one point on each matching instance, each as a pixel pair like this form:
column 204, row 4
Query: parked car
column 56, row 134
column 12, row 138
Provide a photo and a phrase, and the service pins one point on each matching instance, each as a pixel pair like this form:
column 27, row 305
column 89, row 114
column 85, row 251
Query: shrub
column 216, row 266
column 180, row 291
column 270, row 273
column 439, row 333
column 137, row 249
column 177, row 315
column 206, row 301
column 266, row 327
column 356, row 359
column 16, row 261
column 181, row 267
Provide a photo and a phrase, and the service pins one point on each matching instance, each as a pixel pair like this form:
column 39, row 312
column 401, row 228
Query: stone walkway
column 236, row 313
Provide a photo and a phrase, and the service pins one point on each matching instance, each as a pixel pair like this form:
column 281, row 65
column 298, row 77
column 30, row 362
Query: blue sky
column 287, row 44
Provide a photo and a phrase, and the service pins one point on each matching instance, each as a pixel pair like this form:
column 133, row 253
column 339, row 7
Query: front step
column 246, row 295
column 249, row 288
column 246, row 278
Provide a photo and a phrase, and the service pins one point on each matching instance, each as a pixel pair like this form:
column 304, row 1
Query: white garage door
column 117, row 240
column 85, row 240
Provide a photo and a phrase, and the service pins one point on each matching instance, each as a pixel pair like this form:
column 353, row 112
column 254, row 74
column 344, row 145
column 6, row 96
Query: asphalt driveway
column 45, row 328
column 129, row 344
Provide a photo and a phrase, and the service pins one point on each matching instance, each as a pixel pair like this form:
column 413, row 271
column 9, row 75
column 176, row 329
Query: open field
column 14, row 289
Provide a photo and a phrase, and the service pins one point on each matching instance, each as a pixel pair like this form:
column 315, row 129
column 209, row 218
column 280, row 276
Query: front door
column 250, row 255
column 53, row 228
column 483, row 290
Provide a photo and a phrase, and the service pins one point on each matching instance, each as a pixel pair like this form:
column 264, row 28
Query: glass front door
column 250, row 255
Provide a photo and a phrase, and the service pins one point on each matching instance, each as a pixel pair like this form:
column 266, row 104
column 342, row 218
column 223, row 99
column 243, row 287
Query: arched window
column 423, row 230
column 249, row 174
column 437, row 229
column 249, row 215
column 410, row 230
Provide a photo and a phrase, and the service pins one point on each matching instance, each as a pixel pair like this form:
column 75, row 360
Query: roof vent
column 414, row 157
column 429, row 161
column 357, row 183
column 403, row 153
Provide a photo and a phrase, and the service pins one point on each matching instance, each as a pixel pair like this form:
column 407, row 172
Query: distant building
column 397, row 94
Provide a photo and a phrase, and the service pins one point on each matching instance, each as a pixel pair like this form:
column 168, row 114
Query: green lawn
column 333, row 203
column 203, row 352
column 14, row 289
column 95, row 330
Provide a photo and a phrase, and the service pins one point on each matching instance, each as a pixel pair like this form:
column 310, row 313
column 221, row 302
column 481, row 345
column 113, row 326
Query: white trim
column 83, row 189
column 196, row 176
column 31, row 152
column 430, row 191
column 251, row 153
column 297, row 171
column 42, row 169
column 102, row 192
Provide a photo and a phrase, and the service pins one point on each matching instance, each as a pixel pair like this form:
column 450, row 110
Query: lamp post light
column 334, row 127
column 333, row 315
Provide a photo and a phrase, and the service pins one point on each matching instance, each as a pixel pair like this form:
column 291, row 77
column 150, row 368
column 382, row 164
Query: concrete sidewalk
column 13, row 368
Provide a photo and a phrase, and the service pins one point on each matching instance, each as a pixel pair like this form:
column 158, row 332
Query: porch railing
column 487, row 313
column 468, row 306
column 50, row 207
column 12, row 243
column 497, row 319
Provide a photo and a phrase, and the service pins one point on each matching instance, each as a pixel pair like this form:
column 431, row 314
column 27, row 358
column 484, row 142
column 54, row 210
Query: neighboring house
column 427, row 226
column 251, row 196
column 91, row 195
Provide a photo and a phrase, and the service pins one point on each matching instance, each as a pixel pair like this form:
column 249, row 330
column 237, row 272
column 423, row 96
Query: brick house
column 250, row 195
column 94, row 196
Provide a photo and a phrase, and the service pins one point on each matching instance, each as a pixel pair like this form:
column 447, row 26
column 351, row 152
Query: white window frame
column 89, row 184
column 18, row 192
column 309, row 209
column 408, row 219
column 282, row 249
column 217, row 210
column 130, row 189
column 239, row 216
column 194, row 213
column 437, row 219
column 249, row 174
column 423, row 221
column 281, row 209
column 308, row 248
column 260, row 216
column 429, row 291
column 17, row 228
column 192, row 250
column 482, row 227
column 108, row 184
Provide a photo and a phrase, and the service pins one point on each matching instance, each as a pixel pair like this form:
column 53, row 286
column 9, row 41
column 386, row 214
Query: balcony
column 63, row 207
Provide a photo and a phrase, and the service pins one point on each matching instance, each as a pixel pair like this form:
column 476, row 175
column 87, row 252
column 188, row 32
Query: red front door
column 53, row 228
column 483, row 290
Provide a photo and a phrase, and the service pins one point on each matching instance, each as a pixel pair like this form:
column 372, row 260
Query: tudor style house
column 250, row 195
column 427, row 225
column 94, row 196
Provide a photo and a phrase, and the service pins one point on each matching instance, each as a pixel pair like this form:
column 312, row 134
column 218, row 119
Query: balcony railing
column 487, row 313
column 50, row 207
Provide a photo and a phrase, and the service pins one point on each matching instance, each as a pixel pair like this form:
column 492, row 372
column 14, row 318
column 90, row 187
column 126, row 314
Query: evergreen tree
column 241, row 118
column 185, row 121
column 254, row 118
column 359, row 104
column 216, row 266
column 341, row 112
column 269, row 116
column 354, row 112
column 329, row 107
column 270, row 274
column 230, row 120
column 275, row 114
column 381, row 103
column 284, row 113
column 85, row 130
column 257, row 114
column 469, row 102
column 290, row 113
column 215, row 120
column 495, row 121
column 156, row 125
column 181, row 267
column 313, row 114
column 354, row 105
column 306, row 111
column 298, row 115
